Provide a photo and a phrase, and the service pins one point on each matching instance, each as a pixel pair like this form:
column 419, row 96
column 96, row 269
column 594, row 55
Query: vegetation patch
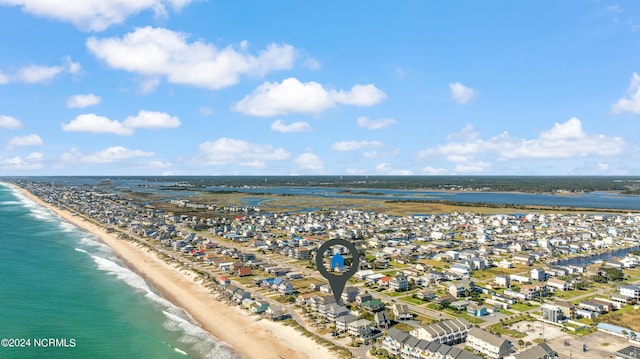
column 523, row 306
column 626, row 317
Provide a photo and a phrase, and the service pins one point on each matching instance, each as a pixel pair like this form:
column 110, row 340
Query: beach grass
column 340, row 352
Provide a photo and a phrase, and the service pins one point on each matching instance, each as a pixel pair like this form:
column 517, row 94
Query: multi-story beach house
column 489, row 345
column 399, row 283
column 552, row 313
column 360, row 328
column 558, row 284
column 632, row 291
column 401, row 312
column 342, row 322
column 451, row 331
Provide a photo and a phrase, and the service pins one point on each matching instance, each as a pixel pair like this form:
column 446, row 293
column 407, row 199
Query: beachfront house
column 342, row 322
column 349, row 294
column 360, row 328
column 277, row 313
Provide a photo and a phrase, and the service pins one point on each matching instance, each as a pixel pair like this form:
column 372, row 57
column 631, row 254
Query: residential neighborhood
column 459, row 285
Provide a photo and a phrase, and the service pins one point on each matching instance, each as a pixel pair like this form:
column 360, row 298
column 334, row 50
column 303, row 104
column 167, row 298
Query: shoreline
column 230, row 325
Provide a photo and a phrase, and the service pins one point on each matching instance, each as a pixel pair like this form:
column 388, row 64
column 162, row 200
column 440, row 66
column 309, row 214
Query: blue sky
column 196, row 87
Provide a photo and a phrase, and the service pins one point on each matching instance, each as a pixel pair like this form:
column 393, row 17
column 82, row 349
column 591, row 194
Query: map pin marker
column 337, row 282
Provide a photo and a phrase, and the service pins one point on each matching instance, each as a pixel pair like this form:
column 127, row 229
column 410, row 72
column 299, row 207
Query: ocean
column 63, row 294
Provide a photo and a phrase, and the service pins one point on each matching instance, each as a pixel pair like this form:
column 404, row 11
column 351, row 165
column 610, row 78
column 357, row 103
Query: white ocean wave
column 82, row 250
column 68, row 227
column 36, row 210
column 199, row 339
column 180, row 351
column 96, row 246
column 9, row 203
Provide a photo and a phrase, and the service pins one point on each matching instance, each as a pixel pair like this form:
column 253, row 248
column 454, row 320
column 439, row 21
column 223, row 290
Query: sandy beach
column 248, row 337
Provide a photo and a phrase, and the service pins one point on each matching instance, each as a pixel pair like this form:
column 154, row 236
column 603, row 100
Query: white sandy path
column 251, row 338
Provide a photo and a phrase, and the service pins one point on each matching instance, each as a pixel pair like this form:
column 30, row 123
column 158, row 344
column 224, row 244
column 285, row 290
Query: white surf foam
column 199, row 339
column 35, row 209
column 9, row 203
column 180, row 351
column 96, row 246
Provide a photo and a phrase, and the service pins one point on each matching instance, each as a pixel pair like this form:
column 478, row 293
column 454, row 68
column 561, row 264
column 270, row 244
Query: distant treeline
column 531, row 184
column 367, row 193
column 503, row 205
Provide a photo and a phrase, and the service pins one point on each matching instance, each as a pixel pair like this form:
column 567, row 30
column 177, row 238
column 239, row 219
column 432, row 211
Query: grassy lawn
column 506, row 312
column 523, row 306
column 396, row 294
column 403, row 327
column 424, row 320
column 471, row 319
column 586, row 321
column 248, row 281
column 499, row 329
column 568, row 294
column 584, row 331
column 626, row 317
column 303, row 282
column 412, row 300
column 394, row 264
column 431, row 262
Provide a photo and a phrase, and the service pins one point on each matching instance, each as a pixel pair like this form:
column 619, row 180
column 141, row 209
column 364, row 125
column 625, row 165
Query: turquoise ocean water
column 59, row 282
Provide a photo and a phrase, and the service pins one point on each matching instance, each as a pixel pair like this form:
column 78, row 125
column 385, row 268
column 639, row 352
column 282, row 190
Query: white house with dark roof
column 632, row 291
column 447, row 332
column 401, row 312
column 490, row 345
column 360, row 328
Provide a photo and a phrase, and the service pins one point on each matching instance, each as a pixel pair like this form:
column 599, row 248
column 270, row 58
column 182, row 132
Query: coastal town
column 448, row 286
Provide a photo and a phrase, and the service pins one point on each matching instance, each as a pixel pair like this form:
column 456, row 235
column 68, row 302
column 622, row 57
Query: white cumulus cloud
column 344, row 146
column 37, row 74
column 563, row 140
column 293, row 96
column 300, row 126
column 24, row 141
column 378, row 124
column 161, row 53
column 388, row 169
column 460, row 93
column 94, row 15
column 9, row 122
column 33, row 74
column 234, row 151
column 630, row 103
column 151, row 120
column 309, row 161
column 115, row 154
column 32, row 161
column 91, row 122
column 82, row 101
